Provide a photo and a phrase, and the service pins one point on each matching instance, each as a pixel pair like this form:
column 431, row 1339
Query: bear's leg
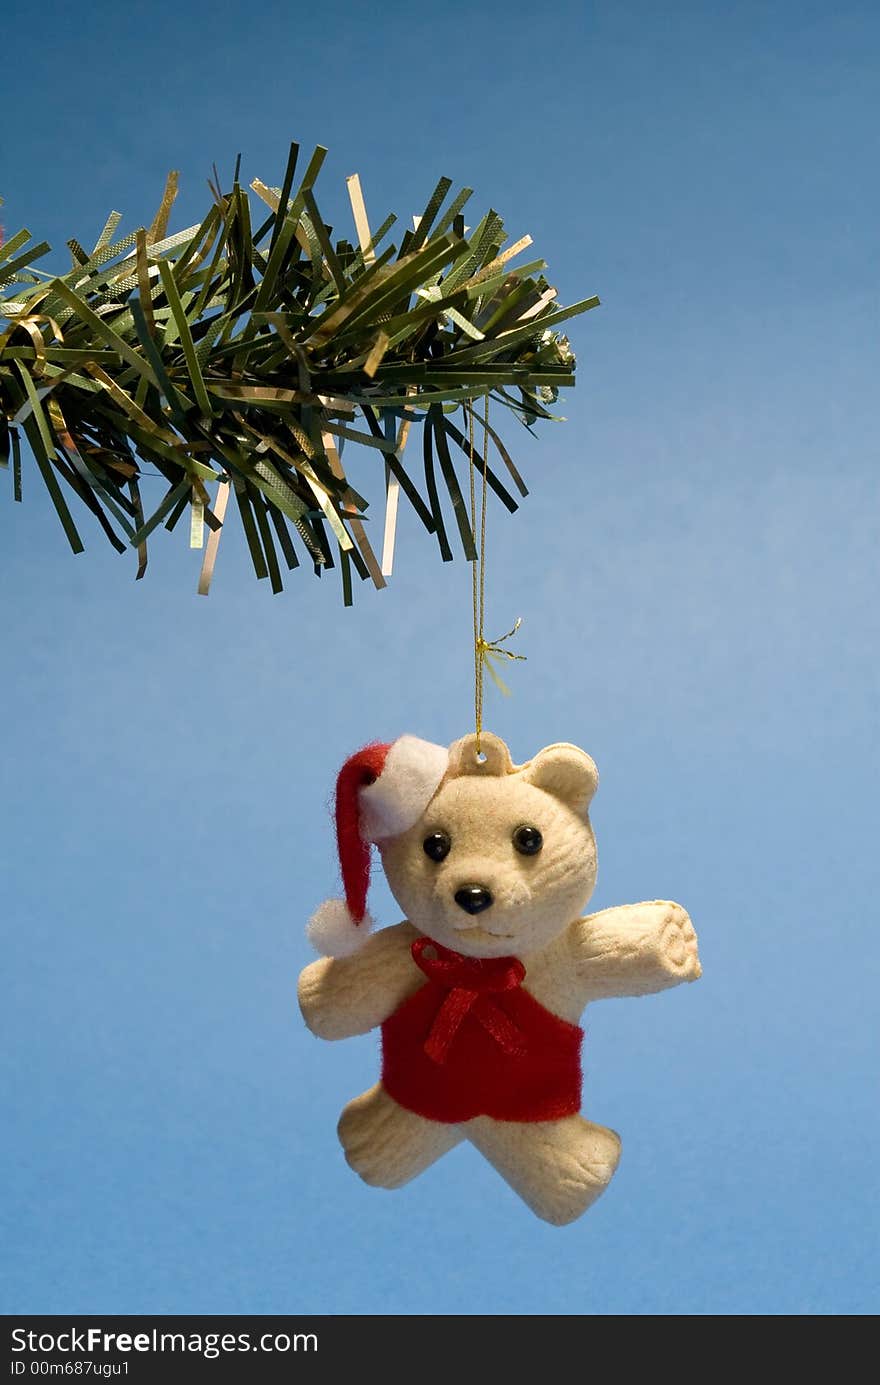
column 558, row 1167
column 388, row 1145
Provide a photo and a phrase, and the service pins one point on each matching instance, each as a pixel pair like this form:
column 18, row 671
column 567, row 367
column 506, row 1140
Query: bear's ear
column 566, row 772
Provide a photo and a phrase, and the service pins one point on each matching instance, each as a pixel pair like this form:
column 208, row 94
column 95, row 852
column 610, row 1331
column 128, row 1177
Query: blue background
column 697, row 574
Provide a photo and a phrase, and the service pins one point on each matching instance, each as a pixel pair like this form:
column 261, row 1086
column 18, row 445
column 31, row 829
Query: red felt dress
column 471, row 1042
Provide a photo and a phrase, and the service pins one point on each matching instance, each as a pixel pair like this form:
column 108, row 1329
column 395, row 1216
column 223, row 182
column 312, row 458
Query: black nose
column 473, row 898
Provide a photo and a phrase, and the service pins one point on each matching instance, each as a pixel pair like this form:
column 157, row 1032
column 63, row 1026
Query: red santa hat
column 381, row 791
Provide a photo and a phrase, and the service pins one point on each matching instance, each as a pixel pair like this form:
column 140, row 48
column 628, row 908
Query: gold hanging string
column 486, row 652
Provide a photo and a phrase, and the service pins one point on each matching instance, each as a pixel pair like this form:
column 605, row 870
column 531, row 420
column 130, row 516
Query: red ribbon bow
column 470, row 982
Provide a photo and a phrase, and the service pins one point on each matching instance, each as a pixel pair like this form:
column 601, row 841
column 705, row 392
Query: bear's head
column 503, row 857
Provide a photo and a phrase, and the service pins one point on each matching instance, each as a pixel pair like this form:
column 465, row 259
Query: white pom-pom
column 333, row 932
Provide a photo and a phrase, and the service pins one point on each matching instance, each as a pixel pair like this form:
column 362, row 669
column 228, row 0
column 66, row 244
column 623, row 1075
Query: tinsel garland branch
column 251, row 355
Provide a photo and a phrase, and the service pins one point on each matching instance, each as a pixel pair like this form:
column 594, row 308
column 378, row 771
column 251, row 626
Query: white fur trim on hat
column 411, row 776
column 333, row 932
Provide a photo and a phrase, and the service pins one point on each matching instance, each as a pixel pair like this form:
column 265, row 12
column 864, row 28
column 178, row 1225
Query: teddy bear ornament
column 478, row 992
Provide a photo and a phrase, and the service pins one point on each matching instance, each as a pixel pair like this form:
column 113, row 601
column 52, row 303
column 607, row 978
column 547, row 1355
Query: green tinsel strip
column 253, row 356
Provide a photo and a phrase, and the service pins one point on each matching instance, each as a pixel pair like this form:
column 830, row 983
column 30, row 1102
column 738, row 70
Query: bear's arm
column 343, row 996
column 636, row 949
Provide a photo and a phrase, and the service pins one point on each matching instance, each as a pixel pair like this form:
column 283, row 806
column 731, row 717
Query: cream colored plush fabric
column 559, row 1168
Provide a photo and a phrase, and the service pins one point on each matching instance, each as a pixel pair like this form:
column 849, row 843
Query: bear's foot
column 559, row 1168
column 387, row 1145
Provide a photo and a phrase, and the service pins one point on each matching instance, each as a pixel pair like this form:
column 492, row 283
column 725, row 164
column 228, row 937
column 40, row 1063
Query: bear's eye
column 528, row 840
column 437, row 846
